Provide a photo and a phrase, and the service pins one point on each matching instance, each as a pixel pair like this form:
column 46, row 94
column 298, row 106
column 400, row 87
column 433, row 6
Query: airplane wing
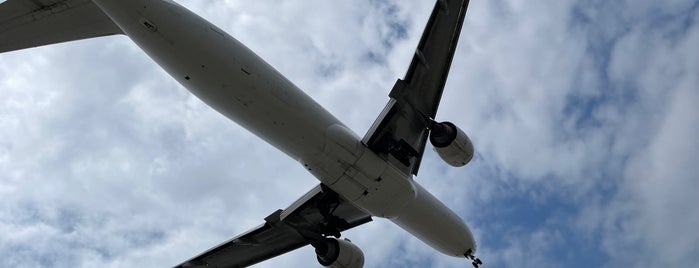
column 402, row 129
column 25, row 24
column 319, row 213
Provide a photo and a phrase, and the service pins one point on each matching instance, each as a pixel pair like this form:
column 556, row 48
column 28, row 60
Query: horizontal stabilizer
column 25, row 24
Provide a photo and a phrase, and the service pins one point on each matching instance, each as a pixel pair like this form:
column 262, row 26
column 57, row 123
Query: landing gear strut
column 476, row 261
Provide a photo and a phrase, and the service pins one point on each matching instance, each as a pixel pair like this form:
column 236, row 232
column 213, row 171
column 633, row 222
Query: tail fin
column 25, row 24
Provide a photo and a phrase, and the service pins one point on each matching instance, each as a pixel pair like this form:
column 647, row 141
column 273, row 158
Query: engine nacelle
column 451, row 143
column 336, row 253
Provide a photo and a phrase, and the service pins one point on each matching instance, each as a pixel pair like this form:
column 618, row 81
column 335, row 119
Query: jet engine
column 451, row 143
column 336, row 253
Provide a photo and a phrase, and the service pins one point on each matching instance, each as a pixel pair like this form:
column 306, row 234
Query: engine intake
column 336, row 253
column 451, row 143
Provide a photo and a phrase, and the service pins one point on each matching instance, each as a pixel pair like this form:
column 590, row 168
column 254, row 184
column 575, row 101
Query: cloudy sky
column 584, row 115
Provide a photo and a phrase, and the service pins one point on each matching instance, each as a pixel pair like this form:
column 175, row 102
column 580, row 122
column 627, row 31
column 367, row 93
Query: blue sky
column 583, row 115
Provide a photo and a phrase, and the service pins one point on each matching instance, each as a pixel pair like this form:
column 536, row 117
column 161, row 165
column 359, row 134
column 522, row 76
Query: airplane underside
column 360, row 178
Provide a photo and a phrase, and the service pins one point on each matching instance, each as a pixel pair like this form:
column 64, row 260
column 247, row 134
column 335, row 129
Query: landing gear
column 476, row 261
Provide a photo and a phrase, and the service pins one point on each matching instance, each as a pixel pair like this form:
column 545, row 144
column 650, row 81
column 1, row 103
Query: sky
column 584, row 117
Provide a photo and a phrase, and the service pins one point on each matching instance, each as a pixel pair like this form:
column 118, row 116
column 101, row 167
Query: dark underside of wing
column 402, row 129
column 319, row 213
column 25, row 24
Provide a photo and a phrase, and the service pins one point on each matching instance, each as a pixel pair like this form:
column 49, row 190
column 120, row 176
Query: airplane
column 360, row 177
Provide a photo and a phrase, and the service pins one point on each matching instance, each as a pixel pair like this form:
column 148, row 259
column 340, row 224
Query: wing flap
column 25, row 24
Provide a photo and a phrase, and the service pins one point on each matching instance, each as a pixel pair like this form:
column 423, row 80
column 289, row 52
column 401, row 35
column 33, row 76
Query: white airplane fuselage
column 237, row 83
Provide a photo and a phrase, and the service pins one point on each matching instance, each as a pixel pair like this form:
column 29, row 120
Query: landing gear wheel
column 476, row 261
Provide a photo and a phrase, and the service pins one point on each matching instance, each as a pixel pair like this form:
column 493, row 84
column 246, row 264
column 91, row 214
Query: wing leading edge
column 319, row 213
column 400, row 133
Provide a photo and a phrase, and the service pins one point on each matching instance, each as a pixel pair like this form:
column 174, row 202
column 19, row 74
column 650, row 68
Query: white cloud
column 654, row 210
